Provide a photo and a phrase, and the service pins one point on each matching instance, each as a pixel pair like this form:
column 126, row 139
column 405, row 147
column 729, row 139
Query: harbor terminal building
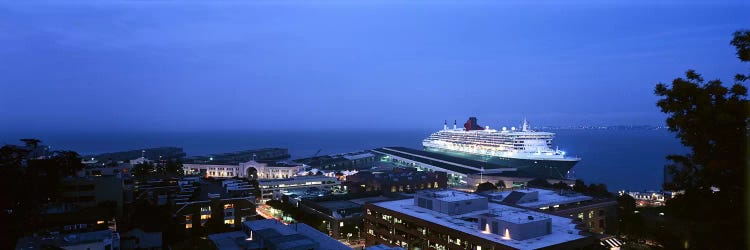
column 461, row 172
column 249, row 169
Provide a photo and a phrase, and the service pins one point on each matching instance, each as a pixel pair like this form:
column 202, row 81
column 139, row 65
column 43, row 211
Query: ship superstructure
column 521, row 148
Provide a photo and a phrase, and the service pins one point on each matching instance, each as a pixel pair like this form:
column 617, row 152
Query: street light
column 358, row 236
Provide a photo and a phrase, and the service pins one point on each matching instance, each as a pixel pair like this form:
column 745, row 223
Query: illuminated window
column 205, row 216
column 188, row 226
column 205, row 209
column 227, row 206
column 229, row 222
column 341, row 224
column 99, row 222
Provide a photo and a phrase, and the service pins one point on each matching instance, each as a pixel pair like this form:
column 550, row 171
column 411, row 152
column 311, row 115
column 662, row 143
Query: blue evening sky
column 182, row 65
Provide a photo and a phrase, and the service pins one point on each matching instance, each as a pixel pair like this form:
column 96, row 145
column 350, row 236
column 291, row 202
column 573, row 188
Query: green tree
column 487, row 186
column 711, row 120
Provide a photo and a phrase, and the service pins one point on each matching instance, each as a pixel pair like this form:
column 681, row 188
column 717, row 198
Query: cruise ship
column 527, row 150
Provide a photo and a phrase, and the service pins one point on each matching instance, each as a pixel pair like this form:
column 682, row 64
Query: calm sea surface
column 622, row 159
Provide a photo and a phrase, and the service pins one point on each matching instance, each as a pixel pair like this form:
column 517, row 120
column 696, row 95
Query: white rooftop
column 325, row 242
column 228, row 241
column 563, row 229
column 548, row 198
column 517, row 216
column 452, row 195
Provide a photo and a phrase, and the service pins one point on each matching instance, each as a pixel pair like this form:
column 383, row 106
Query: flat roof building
column 273, row 189
column 97, row 240
column 395, row 180
column 596, row 214
column 226, row 202
column 451, row 219
column 273, row 235
column 339, row 212
column 346, row 161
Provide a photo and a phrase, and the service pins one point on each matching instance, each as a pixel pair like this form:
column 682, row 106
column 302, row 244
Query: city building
column 597, row 215
column 650, row 198
column 97, row 240
column 227, row 202
column 346, row 161
column 274, row 189
column 90, row 191
column 141, row 239
column 250, row 169
column 104, row 170
column 161, row 191
column 340, row 212
column 85, row 204
column 449, row 219
column 395, row 180
column 458, row 169
column 273, row 235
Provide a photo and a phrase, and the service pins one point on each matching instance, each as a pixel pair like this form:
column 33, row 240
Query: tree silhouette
column 31, row 142
column 487, row 186
column 712, row 121
column 741, row 41
column 143, row 169
column 30, row 183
